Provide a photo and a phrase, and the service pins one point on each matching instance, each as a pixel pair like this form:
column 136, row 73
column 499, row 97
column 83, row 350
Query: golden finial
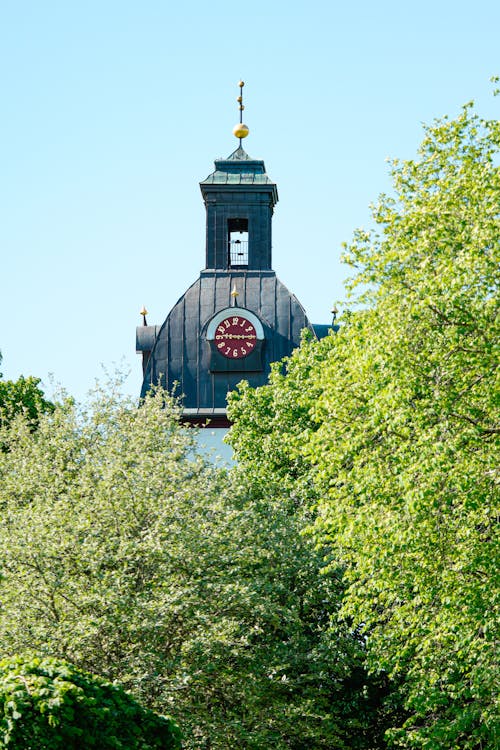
column 234, row 293
column 144, row 312
column 241, row 130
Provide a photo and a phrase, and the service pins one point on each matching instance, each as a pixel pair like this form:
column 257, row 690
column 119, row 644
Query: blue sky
column 112, row 112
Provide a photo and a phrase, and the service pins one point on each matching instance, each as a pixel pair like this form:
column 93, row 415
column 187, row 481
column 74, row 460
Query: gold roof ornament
column 144, row 312
column 234, row 294
column 241, row 130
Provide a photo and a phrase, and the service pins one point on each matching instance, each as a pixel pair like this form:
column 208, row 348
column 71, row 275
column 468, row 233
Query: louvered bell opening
column 238, row 242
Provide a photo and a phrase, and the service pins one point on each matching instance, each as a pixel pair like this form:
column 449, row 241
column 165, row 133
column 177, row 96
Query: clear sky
column 112, row 112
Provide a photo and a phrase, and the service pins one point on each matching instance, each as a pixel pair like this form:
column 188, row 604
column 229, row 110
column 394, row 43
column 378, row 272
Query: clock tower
column 238, row 317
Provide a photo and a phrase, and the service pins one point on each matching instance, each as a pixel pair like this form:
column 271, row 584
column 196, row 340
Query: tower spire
column 241, row 130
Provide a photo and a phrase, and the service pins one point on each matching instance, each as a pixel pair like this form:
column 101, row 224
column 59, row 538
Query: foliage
column 50, row 705
column 104, row 513
column 271, row 426
column 394, row 421
column 277, row 419
column 22, row 396
column 412, row 473
column 125, row 553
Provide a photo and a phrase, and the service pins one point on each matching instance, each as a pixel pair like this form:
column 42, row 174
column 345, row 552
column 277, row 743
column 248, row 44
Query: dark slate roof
column 238, row 169
column 180, row 359
column 245, row 178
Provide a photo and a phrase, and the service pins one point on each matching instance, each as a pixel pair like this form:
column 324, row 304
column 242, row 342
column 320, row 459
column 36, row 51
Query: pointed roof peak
column 239, row 155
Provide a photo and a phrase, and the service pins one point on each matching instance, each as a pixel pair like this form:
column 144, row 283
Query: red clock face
column 235, row 337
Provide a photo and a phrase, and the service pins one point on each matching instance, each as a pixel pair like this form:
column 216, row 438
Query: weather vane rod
column 241, row 130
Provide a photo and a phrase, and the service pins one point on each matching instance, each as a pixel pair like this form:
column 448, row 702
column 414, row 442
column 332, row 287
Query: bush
column 50, row 705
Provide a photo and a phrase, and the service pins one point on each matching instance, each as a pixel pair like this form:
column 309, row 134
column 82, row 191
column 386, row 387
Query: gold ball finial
column 241, row 84
column 241, row 130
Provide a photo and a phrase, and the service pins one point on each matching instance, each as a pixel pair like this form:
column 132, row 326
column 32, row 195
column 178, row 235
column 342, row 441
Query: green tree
column 23, row 395
column 105, row 515
column 272, row 426
column 125, row 553
column 50, row 705
column 390, row 428
column 409, row 436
